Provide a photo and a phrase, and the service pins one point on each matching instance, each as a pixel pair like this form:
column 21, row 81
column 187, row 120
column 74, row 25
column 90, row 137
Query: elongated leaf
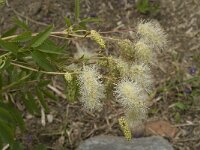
column 41, row 37
column 6, row 117
column 16, row 83
column 77, row 9
column 40, row 59
column 9, row 46
column 27, row 103
column 26, row 36
column 32, row 103
column 43, row 83
column 49, row 47
column 49, row 95
column 9, row 32
column 67, row 21
column 17, row 116
column 40, row 96
column 21, row 24
column 6, row 133
column 16, row 146
column 181, row 106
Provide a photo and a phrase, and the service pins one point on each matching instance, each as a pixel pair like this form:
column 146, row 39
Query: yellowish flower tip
column 126, row 48
column 129, row 94
column 143, row 52
column 137, row 115
column 97, row 38
column 68, row 76
column 152, row 33
column 141, row 74
column 125, row 128
column 91, row 88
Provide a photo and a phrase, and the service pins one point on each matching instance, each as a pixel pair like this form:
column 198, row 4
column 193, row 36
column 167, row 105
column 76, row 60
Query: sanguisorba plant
column 29, row 61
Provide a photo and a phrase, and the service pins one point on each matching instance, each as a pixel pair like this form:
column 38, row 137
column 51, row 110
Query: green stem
column 35, row 70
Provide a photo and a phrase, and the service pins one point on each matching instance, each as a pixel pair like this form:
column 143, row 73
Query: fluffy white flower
column 129, row 94
column 141, row 74
column 91, row 88
column 152, row 33
column 122, row 66
column 143, row 52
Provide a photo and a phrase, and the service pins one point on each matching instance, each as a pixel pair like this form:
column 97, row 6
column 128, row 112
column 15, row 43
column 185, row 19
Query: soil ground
column 177, row 75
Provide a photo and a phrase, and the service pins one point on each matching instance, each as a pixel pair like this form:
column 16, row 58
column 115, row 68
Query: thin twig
column 115, row 31
column 59, row 93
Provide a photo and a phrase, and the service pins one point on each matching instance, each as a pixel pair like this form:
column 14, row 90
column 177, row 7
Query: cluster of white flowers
column 143, row 52
column 132, row 91
column 129, row 94
column 133, row 71
column 141, row 74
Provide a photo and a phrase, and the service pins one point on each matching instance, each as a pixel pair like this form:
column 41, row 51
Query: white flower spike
column 91, row 88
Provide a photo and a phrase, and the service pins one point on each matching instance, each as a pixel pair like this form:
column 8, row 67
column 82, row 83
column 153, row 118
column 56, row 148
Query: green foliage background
column 28, row 62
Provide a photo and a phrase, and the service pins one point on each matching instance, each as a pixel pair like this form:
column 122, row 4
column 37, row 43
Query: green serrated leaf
column 40, row 96
column 40, row 59
column 26, row 36
column 50, row 47
column 21, row 24
column 41, row 37
column 77, row 9
column 9, row 46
